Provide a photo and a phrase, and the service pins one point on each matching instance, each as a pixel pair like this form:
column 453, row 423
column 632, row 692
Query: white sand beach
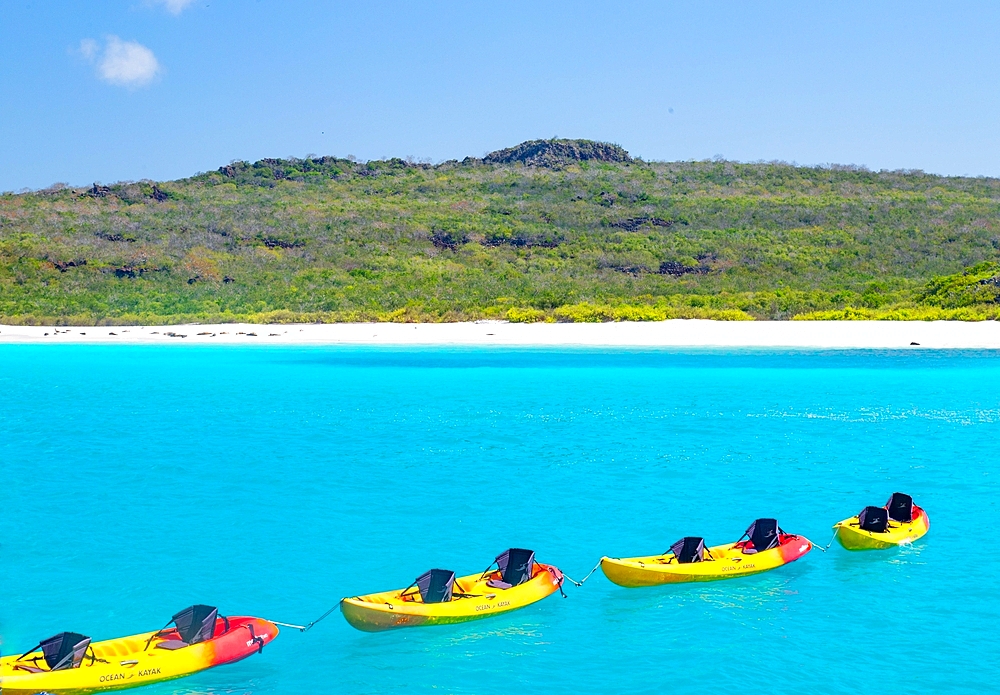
column 676, row 333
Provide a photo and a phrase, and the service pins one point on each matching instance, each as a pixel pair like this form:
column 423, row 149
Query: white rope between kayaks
column 824, row 549
column 580, row 583
column 306, row 627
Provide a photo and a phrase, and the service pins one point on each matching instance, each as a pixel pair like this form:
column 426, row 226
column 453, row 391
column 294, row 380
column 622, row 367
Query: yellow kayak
column 439, row 598
column 876, row 528
column 71, row 663
column 690, row 561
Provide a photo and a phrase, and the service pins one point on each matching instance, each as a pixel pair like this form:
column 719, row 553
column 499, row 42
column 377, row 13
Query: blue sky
column 122, row 90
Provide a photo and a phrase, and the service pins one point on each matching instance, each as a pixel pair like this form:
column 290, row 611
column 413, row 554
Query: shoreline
column 672, row 333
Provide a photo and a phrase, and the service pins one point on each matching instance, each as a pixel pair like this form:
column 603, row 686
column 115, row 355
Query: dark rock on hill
column 675, row 268
column 523, row 240
column 131, row 271
column 634, row 224
column 553, row 153
column 98, row 191
column 115, row 236
column 448, row 240
column 63, row 266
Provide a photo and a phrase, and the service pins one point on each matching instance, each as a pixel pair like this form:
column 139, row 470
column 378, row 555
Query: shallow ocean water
column 272, row 482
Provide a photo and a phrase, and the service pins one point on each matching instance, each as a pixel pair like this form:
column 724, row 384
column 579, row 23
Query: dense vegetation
column 548, row 230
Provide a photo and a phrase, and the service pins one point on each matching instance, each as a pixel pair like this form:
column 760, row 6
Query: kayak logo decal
column 486, row 606
column 149, row 672
column 112, row 677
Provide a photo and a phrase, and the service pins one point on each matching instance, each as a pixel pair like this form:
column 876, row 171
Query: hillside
column 547, row 230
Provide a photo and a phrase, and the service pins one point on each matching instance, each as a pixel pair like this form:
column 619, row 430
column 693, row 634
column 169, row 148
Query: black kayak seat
column 436, row 585
column 516, row 565
column 874, row 519
column 763, row 534
column 63, row 651
column 195, row 623
column 689, row 549
column 900, row 507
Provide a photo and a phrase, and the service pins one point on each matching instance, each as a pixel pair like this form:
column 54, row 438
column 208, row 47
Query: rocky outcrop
column 63, row 266
column 276, row 243
column 524, row 240
column 676, row 268
column 556, row 153
column 448, row 240
column 131, row 271
column 98, row 191
column 634, row 224
column 115, row 236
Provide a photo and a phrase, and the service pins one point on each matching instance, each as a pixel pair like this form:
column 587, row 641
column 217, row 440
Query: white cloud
column 127, row 63
column 173, row 6
column 124, row 63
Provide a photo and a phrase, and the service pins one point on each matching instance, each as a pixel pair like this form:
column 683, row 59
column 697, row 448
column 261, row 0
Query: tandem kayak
column 437, row 597
column 899, row 522
column 71, row 663
column 689, row 560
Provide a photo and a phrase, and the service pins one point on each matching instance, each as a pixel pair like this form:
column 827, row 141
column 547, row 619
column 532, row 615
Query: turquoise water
column 272, row 482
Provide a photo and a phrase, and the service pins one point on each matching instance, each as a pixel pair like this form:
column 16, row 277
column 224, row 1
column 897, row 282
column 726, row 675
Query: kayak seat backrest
column 763, row 535
column 64, row 650
column 196, row 623
column 900, row 507
column 689, row 549
column 516, row 565
column 436, row 585
column 874, row 519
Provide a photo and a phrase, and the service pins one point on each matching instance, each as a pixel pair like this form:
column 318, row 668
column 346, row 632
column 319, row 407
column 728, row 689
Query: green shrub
column 920, row 313
column 583, row 313
column 587, row 241
column 525, row 315
column 976, row 285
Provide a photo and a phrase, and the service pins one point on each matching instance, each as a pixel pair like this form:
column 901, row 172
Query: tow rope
column 307, row 626
column 824, row 549
column 580, row 583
